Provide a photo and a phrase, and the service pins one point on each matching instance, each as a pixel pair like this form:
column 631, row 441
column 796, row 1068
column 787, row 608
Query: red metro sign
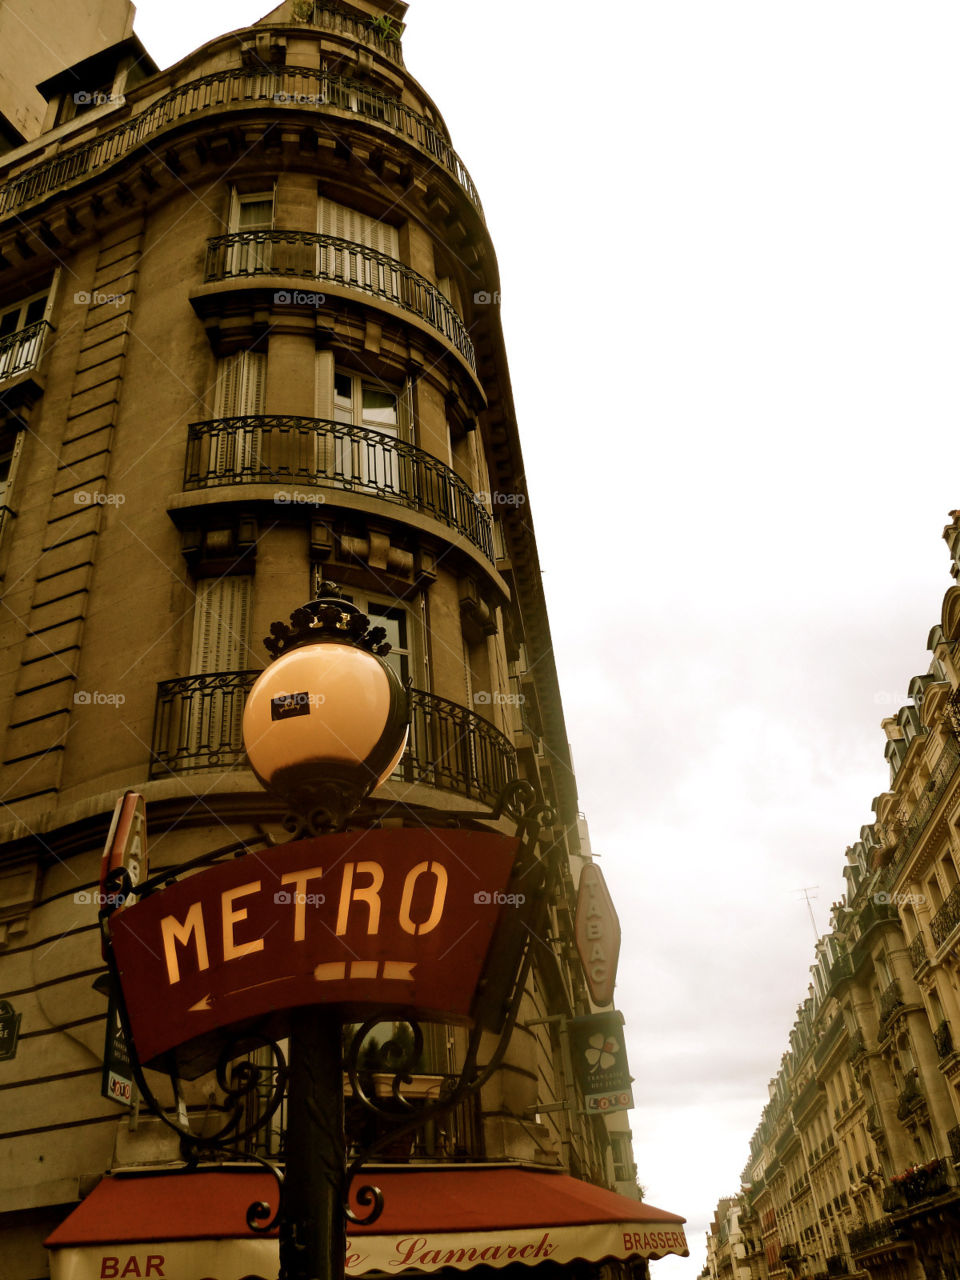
column 597, row 931
column 363, row 920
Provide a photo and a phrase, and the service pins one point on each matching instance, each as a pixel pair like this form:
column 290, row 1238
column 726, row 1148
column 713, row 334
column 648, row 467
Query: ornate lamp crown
column 328, row 618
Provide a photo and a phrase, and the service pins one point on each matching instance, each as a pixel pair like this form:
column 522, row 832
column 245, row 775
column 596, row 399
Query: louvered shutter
column 241, row 392
column 221, row 631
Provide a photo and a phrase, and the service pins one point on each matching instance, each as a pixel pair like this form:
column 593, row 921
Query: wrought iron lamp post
column 323, row 725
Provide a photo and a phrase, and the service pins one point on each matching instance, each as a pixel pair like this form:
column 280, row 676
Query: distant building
column 854, row 1165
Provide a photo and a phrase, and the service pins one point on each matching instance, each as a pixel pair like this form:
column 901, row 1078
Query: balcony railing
column 311, row 451
column 890, row 1001
column 910, row 1097
column 873, row 1122
column 21, row 351
column 308, row 255
column 873, row 1236
column 382, row 35
column 856, row 1047
column 946, row 766
column 943, row 1039
column 953, row 1137
column 918, row 953
column 914, row 1185
column 198, row 719
column 947, row 918
column 300, row 87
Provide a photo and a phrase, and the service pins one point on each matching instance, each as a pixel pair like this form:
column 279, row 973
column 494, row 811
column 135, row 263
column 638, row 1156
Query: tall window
column 250, row 213
column 351, row 264
column 9, row 457
column 21, row 334
column 241, row 392
column 221, row 643
column 365, row 460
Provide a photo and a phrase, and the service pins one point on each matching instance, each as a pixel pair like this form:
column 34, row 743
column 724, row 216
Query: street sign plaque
column 364, row 920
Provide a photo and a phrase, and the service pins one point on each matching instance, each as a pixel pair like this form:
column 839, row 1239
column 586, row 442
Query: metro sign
column 597, row 933
column 362, row 920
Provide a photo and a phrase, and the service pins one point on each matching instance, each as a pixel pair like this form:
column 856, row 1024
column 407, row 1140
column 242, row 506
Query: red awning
column 192, row 1226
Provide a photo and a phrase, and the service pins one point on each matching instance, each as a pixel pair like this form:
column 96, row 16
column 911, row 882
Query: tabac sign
column 363, row 920
column 597, row 932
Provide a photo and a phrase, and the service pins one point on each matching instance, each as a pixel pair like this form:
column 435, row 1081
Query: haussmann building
column 250, row 355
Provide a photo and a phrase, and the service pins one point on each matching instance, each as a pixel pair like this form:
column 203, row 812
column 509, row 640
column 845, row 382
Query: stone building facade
column 853, row 1168
column 247, row 344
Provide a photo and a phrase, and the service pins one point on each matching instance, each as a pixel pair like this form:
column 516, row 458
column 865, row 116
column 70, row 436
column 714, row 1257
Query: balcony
column 910, row 1098
column 943, row 1040
column 21, row 351
column 322, row 454
column 947, row 918
column 873, row 1236
column 890, row 1001
column 953, row 1137
column 839, row 971
column 197, row 725
column 281, row 88
column 382, row 34
column 918, row 953
column 874, row 1127
column 856, row 1047
column 945, row 768
column 917, row 1184
column 309, row 255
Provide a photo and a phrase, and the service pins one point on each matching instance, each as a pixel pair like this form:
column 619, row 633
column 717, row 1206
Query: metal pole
column 313, row 1240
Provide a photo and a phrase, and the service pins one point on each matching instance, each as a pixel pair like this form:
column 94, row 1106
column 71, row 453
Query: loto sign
column 597, row 933
column 364, row 920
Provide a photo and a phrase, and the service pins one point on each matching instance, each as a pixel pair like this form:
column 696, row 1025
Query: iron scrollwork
column 246, row 1108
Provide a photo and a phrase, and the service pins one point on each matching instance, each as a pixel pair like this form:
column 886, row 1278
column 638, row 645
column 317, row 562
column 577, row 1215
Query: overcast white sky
column 730, row 261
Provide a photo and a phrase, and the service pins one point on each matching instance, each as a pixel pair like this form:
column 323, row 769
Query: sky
column 730, row 274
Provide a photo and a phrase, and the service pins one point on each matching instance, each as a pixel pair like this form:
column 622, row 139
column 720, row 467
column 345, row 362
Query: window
column 9, row 457
column 221, row 643
column 241, row 387
column 364, row 459
column 400, row 622
column 21, row 334
column 353, row 265
column 250, row 214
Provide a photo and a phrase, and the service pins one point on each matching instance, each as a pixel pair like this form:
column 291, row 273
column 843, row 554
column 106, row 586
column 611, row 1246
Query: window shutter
column 350, row 224
column 221, row 629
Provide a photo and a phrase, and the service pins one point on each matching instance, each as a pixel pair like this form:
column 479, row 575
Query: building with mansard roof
column 249, row 343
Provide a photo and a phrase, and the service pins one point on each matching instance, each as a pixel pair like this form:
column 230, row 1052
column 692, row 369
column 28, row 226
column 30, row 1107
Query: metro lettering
column 299, row 880
column 370, row 894
column 172, row 932
column 232, row 949
column 439, row 873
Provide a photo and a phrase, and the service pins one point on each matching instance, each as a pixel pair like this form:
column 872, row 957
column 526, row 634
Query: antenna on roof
column 806, row 892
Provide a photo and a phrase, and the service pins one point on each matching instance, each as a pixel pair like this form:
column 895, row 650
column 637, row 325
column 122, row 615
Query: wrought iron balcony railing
column 943, row 771
column 890, row 1001
column 943, row 1039
column 913, row 1186
column 918, row 953
column 288, row 451
column 856, row 1046
column 382, row 35
column 947, row 918
column 307, row 255
column 198, row 719
column 21, row 351
column 873, row 1236
column 910, row 1097
column 300, row 87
